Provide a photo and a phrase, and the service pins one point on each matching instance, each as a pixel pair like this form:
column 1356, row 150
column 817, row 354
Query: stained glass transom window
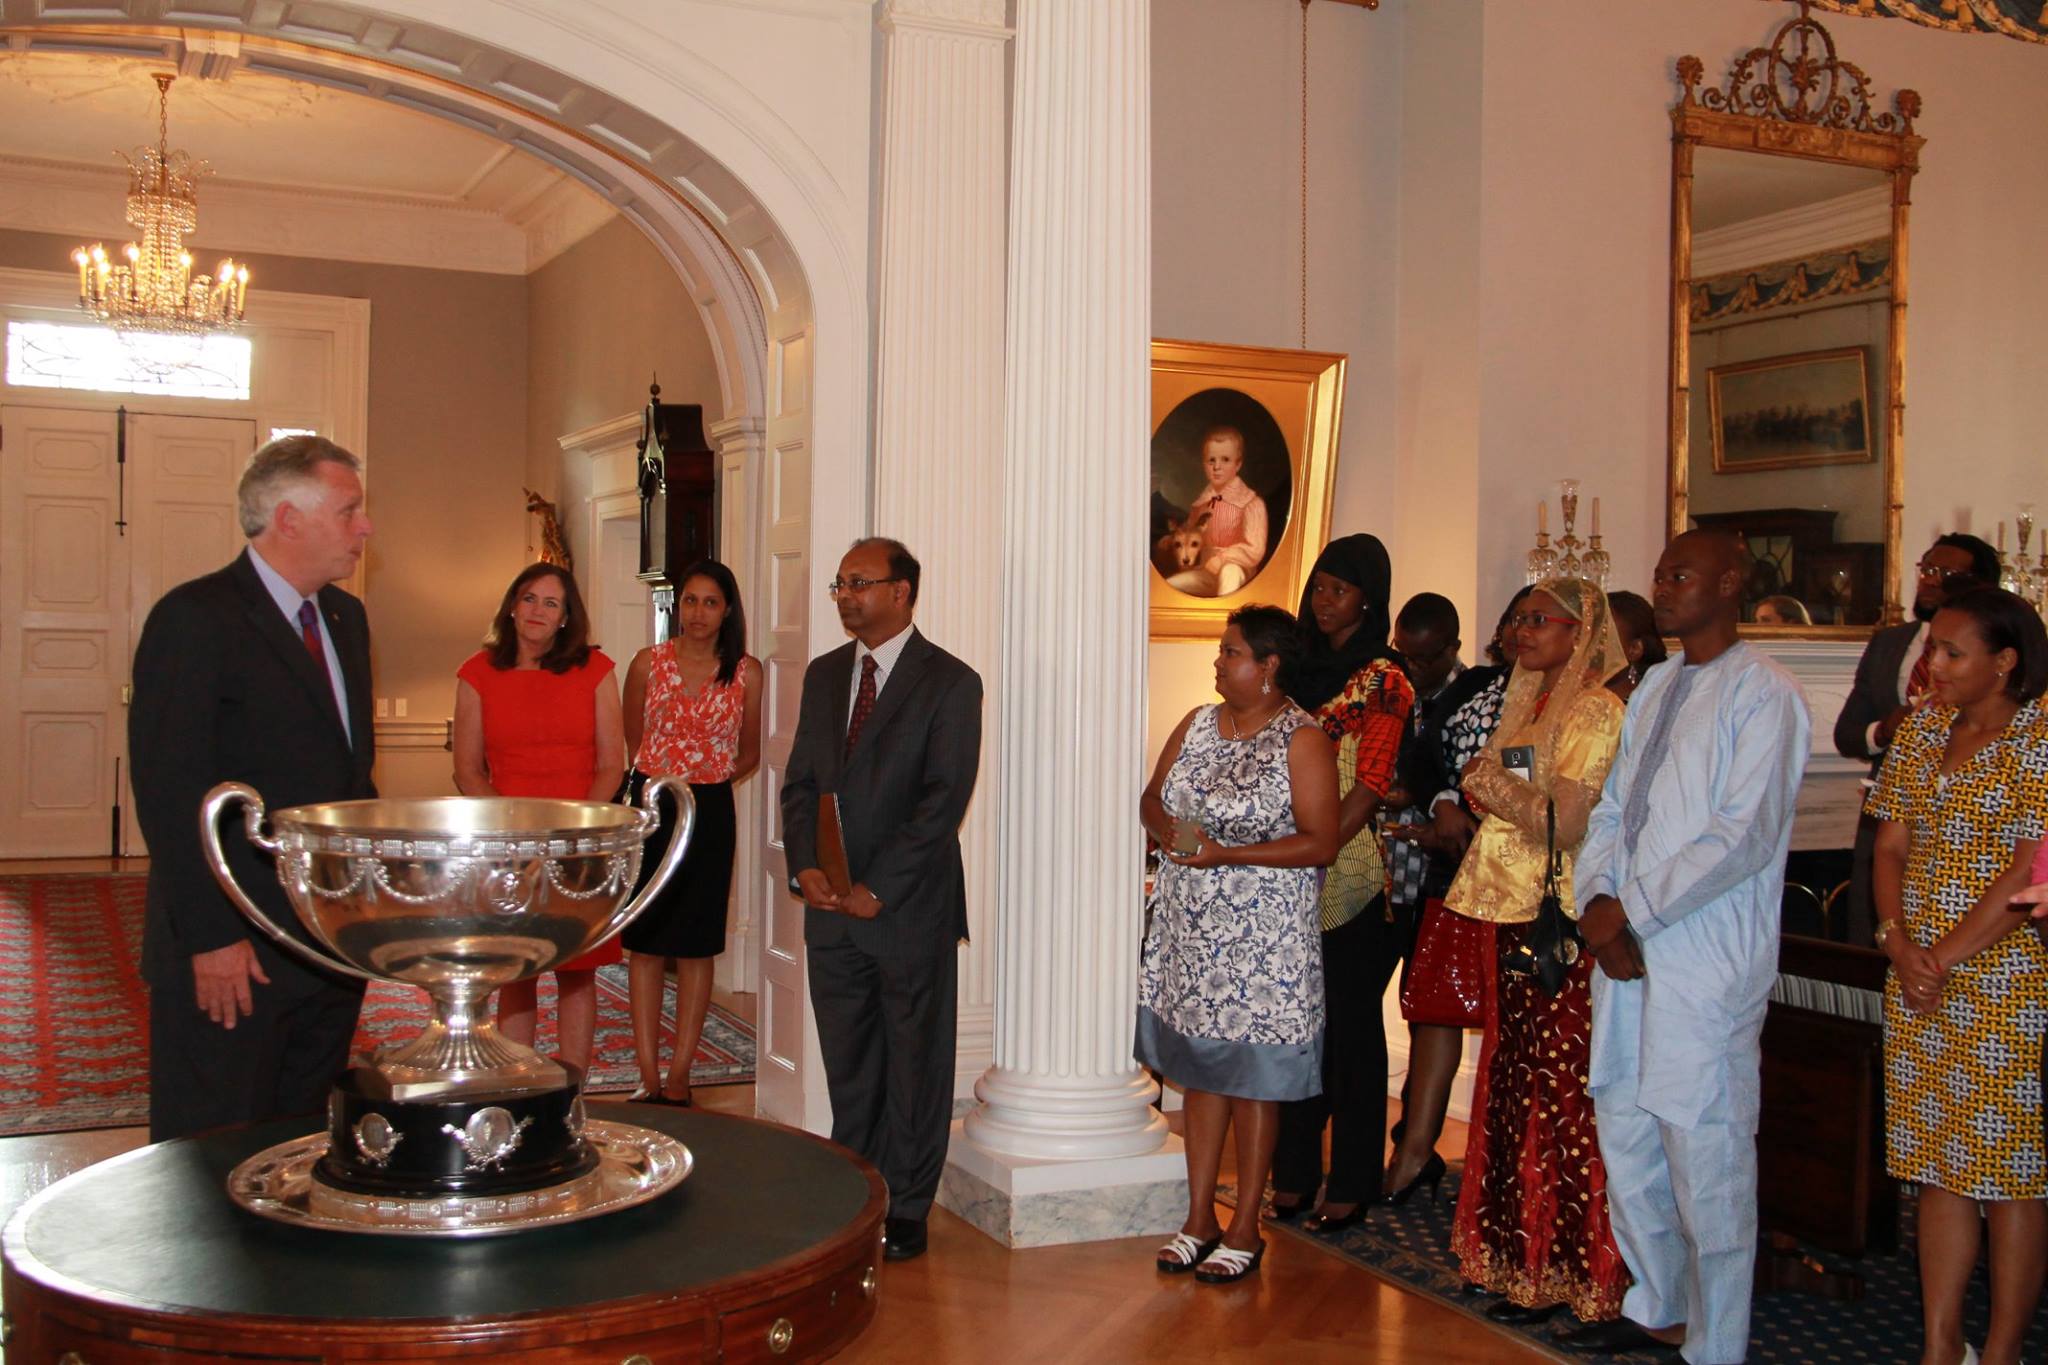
column 49, row 355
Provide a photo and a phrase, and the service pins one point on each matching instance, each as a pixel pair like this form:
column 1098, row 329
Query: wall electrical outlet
column 398, row 708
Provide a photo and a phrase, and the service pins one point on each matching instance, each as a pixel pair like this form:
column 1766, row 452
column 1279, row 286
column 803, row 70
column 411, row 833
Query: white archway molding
column 769, row 235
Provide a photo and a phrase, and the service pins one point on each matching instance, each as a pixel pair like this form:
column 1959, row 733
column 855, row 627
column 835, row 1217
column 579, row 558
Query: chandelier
column 154, row 289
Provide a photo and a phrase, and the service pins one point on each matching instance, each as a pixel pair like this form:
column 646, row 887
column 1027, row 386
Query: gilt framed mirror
column 1790, row 191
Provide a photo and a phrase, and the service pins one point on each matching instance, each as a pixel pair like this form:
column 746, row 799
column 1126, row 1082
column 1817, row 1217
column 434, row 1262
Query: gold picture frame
column 1796, row 411
column 1280, row 411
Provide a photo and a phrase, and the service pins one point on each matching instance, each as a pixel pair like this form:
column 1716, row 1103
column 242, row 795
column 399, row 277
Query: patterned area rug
column 1411, row 1247
column 74, row 1047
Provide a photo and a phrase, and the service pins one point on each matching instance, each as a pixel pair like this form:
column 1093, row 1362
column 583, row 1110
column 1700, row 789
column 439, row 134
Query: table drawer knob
column 870, row 1282
column 637, row 1359
column 781, row 1336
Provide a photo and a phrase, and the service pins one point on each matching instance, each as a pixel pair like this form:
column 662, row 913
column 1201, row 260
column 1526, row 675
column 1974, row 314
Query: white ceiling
column 1730, row 187
column 280, row 148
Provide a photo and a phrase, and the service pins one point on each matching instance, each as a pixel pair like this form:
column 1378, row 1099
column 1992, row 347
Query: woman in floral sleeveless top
column 693, row 710
column 1230, row 1000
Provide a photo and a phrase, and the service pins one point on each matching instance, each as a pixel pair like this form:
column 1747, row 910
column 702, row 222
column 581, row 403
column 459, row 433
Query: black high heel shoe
column 1336, row 1222
column 1286, row 1213
column 1431, row 1174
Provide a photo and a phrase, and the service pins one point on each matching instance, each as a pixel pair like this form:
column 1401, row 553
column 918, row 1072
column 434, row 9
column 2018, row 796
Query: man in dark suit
column 1890, row 681
column 260, row 673
column 891, row 725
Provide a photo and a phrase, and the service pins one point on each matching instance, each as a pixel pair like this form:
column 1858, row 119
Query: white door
column 619, row 600
column 778, row 617
column 182, row 520
column 63, row 632
column 88, row 542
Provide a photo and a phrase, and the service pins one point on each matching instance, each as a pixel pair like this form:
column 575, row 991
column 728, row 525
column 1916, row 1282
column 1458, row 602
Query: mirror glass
column 1789, row 314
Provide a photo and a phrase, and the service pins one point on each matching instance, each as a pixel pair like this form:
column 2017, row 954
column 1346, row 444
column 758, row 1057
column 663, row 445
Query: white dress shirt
column 288, row 599
column 885, row 657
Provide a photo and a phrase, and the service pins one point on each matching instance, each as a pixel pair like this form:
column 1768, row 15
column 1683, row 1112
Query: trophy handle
column 686, row 825
column 216, row 803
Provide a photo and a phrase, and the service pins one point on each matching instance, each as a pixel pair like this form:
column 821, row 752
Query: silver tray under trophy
column 634, row 1165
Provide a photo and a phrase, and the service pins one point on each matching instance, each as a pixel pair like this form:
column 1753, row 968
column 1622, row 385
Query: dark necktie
column 863, row 702
column 309, row 630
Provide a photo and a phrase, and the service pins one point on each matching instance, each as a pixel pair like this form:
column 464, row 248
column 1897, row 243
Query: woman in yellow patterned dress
column 1963, row 795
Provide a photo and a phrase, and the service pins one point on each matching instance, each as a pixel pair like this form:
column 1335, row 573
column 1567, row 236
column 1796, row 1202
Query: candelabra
column 2022, row 573
column 1563, row 560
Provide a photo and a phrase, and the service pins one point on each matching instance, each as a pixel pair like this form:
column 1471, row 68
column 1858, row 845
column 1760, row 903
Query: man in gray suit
column 890, row 724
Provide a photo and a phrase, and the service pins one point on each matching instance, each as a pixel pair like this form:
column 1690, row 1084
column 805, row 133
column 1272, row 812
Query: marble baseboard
column 1096, row 1202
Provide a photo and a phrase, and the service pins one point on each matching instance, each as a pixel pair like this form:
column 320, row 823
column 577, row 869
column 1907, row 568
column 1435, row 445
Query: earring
column 1633, row 676
column 1265, row 687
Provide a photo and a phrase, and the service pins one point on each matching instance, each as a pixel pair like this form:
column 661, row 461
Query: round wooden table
column 770, row 1251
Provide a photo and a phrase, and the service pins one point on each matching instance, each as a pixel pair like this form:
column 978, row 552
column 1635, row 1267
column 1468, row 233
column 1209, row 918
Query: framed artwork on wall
column 1244, row 456
column 1790, row 411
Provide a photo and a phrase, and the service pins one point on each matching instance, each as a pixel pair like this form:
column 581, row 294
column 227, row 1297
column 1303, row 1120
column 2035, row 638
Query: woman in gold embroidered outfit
column 1532, row 1221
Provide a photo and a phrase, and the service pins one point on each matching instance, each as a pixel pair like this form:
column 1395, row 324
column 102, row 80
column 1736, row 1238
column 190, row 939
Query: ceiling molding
column 557, row 219
column 37, row 196
column 1794, row 232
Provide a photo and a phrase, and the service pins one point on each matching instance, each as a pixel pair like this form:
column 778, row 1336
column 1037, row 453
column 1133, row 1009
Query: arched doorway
column 762, row 213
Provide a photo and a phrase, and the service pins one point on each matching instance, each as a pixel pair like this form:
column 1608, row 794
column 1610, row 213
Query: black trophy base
column 480, row 1144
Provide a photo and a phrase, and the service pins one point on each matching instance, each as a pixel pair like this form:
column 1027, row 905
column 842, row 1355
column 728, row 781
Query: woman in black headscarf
column 1355, row 688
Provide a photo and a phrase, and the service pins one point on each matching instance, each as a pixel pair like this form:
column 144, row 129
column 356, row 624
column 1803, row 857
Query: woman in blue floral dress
column 1230, row 998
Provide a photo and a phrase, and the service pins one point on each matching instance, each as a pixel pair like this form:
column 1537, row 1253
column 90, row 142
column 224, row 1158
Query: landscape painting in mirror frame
column 1243, row 459
column 1791, row 412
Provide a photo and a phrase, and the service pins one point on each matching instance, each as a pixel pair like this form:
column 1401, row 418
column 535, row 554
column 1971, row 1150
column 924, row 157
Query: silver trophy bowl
column 458, row 896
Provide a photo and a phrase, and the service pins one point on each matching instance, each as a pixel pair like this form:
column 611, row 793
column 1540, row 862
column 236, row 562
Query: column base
column 1031, row 1202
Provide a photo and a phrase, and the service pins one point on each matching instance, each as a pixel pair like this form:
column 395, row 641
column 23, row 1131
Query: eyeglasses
column 1537, row 620
column 839, row 587
column 1949, row 578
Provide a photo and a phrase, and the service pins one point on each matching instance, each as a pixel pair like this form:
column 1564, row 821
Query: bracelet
column 1884, row 930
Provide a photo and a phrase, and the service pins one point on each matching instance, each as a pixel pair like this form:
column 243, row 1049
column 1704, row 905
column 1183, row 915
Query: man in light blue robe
column 1679, row 882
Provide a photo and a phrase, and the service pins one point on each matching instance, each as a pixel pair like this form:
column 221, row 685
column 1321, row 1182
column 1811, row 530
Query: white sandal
column 1225, row 1264
column 1184, row 1253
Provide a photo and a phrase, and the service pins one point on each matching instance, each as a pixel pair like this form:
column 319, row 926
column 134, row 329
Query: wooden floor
column 971, row 1299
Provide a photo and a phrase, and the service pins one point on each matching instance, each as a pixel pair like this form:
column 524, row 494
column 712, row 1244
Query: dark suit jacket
column 226, row 690
column 902, row 794
column 1875, row 694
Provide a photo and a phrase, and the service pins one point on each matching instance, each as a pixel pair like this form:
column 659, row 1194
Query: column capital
column 971, row 18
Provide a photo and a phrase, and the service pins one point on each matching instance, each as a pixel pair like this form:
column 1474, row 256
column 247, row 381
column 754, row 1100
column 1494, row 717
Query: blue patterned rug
column 1411, row 1247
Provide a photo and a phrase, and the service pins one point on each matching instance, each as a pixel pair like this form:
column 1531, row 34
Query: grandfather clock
column 678, row 500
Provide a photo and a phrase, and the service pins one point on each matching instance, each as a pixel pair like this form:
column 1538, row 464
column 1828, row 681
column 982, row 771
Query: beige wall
column 1512, row 161
column 1226, row 229
column 445, row 462
column 606, row 317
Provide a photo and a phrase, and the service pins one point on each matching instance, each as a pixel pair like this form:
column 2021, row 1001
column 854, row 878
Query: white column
column 939, row 386
column 1064, row 1144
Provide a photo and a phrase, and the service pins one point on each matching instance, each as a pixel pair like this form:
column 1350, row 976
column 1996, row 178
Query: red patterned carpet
column 74, row 1049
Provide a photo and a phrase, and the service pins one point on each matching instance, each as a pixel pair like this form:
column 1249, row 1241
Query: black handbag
column 1552, row 945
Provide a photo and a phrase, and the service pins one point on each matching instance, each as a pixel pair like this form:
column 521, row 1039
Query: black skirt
column 688, row 918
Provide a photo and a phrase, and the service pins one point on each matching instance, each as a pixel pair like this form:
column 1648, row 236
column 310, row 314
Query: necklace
column 1237, row 732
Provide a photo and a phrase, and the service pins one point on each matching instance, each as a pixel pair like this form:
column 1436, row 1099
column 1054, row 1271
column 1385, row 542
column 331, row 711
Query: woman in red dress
column 537, row 714
column 693, row 709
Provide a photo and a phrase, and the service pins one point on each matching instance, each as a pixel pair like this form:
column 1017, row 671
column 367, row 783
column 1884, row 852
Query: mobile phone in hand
column 1187, row 837
column 1520, row 759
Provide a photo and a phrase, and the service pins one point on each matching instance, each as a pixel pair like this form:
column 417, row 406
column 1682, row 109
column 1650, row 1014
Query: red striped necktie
column 863, row 702
column 309, row 631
